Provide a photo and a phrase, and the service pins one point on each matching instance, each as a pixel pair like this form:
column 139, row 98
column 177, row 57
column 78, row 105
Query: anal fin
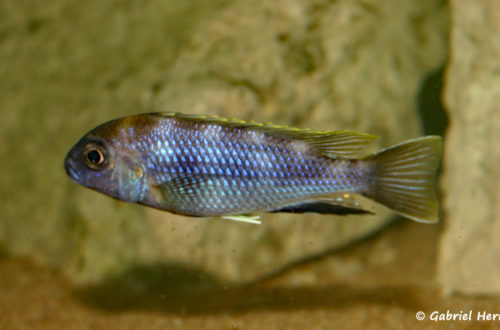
column 343, row 204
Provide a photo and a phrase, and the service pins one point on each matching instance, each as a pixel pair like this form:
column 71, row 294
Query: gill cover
column 131, row 181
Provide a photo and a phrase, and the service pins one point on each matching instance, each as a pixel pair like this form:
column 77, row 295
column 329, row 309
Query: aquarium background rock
column 67, row 67
column 470, row 245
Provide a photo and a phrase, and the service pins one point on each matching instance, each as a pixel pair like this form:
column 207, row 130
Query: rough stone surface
column 68, row 67
column 470, row 248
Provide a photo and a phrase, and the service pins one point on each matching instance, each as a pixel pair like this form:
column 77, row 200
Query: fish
column 209, row 166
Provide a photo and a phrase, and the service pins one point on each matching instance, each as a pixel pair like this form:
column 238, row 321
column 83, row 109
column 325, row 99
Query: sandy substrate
column 381, row 282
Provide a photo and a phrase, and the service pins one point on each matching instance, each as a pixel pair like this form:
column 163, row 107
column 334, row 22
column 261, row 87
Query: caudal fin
column 402, row 178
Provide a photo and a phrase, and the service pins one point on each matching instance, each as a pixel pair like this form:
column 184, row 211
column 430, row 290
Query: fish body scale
column 235, row 171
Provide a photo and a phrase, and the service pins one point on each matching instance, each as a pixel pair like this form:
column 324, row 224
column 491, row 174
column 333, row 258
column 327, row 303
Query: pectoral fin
column 187, row 195
column 189, row 185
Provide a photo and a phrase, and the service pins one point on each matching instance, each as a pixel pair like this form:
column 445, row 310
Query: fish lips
column 69, row 166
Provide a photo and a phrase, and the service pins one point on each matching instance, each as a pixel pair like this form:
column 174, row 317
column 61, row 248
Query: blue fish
column 207, row 166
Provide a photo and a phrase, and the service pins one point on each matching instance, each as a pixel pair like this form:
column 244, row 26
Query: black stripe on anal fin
column 321, row 208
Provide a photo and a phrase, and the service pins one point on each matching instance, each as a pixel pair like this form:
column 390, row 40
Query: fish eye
column 95, row 156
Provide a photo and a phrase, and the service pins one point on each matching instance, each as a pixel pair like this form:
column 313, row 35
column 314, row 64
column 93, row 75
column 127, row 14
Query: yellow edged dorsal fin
column 335, row 144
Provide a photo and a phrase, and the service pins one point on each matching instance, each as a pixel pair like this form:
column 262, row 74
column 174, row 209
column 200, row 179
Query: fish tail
column 402, row 178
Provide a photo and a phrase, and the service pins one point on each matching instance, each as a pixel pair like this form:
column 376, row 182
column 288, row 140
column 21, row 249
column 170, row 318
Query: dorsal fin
column 345, row 144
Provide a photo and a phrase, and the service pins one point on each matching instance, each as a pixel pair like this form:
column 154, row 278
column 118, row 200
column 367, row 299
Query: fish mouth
column 70, row 171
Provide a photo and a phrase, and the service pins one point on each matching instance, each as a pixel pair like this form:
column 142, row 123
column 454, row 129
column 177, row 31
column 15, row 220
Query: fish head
column 104, row 160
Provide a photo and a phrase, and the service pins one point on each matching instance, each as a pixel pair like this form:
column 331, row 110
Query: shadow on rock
column 173, row 289
column 430, row 104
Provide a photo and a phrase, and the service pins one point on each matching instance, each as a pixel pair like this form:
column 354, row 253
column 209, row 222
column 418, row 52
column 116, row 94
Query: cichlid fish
column 210, row 166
